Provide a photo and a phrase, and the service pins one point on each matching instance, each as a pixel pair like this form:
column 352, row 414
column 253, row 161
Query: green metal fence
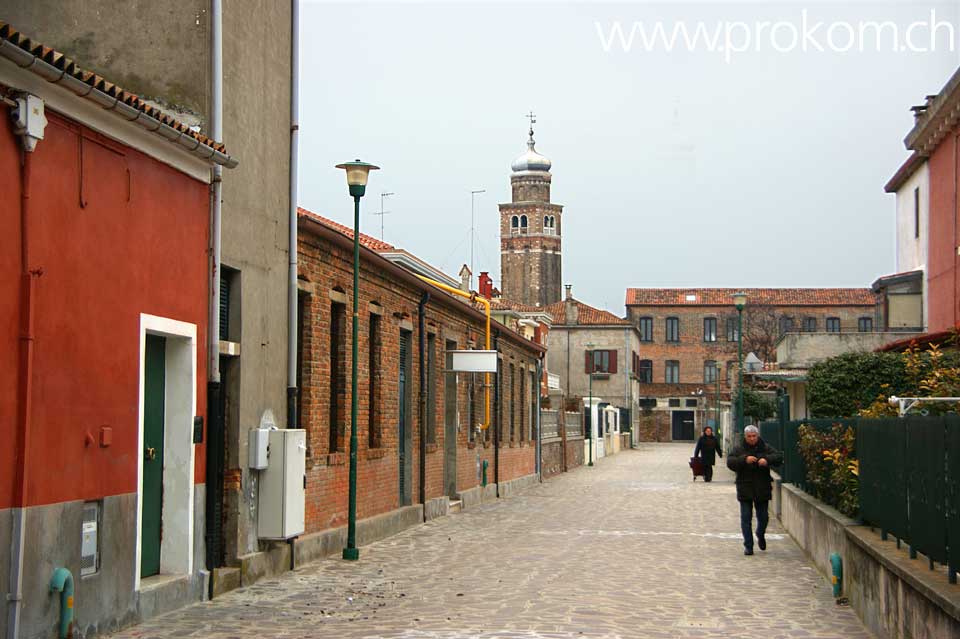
column 909, row 476
column 881, row 450
column 952, row 486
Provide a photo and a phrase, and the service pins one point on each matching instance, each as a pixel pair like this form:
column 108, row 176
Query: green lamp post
column 740, row 301
column 590, row 348
column 357, row 174
column 716, row 400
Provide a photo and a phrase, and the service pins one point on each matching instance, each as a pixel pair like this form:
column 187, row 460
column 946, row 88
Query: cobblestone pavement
column 629, row 548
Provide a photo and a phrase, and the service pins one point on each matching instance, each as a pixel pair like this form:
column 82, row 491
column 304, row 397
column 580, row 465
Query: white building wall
column 912, row 250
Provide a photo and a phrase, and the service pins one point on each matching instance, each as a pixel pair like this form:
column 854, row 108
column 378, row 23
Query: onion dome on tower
column 530, row 160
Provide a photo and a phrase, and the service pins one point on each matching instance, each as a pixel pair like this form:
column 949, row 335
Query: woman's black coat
column 708, row 448
column 753, row 480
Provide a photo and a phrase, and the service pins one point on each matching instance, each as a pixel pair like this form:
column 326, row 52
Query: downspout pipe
column 62, row 581
column 537, row 419
column 28, row 281
column 422, row 428
column 215, row 417
column 496, row 405
column 293, row 419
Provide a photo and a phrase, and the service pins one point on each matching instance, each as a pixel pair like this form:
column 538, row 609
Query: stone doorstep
column 931, row 584
column 456, row 506
column 225, row 580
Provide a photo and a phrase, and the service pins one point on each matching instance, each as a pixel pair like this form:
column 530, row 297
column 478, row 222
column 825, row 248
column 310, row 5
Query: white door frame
column 180, row 401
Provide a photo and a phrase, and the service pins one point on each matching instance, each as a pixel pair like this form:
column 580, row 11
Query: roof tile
column 759, row 296
column 371, row 243
column 53, row 57
column 586, row 315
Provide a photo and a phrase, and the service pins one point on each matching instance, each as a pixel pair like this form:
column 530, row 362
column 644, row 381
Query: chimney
column 570, row 307
column 465, row 278
column 485, row 285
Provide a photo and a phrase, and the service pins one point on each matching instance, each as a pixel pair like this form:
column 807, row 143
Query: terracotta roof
column 586, row 315
column 765, row 296
column 371, row 243
column 943, row 339
column 500, row 304
column 66, row 67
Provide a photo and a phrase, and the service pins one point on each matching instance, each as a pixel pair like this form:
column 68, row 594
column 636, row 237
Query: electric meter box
column 282, row 486
column 257, row 448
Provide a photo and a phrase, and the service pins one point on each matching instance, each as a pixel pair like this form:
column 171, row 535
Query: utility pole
column 381, row 212
column 473, row 227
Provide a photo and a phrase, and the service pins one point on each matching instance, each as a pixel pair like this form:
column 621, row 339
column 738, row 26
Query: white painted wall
column 912, row 251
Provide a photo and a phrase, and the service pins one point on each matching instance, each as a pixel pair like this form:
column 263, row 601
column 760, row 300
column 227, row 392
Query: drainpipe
column 421, row 340
column 28, row 282
column 293, row 420
column 954, row 249
column 215, row 419
column 496, row 406
column 627, row 394
column 537, row 418
column 62, row 582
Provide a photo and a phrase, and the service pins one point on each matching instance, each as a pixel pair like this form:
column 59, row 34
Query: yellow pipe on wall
column 473, row 297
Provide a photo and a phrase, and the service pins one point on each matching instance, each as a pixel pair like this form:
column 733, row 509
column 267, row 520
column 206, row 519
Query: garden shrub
column 832, row 467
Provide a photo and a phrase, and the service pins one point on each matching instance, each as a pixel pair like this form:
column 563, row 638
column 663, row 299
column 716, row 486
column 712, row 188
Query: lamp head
column 740, row 300
column 357, row 174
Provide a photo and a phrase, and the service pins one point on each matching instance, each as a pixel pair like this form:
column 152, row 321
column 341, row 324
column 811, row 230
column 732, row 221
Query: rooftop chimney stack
column 570, row 307
column 465, row 275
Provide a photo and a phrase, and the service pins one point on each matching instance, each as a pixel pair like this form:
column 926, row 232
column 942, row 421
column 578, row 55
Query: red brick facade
column 390, row 297
column 691, row 350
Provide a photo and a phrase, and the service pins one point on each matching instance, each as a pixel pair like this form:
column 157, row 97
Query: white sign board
column 473, row 361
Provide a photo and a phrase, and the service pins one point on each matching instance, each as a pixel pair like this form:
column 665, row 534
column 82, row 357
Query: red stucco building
column 933, row 141
column 104, row 280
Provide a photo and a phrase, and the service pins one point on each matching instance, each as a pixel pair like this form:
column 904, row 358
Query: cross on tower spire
column 533, row 120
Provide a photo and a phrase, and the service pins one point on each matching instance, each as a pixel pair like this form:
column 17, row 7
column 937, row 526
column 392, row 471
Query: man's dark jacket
column 708, row 448
column 753, row 480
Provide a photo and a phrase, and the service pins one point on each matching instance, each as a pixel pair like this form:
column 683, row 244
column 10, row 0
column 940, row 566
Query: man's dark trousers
column 707, row 472
column 746, row 520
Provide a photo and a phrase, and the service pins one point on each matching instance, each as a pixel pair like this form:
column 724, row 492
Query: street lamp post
column 740, row 301
column 357, row 174
column 590, row 407
column 716, row 400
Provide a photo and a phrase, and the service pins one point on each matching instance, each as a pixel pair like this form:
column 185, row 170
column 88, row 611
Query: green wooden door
column 153, row 399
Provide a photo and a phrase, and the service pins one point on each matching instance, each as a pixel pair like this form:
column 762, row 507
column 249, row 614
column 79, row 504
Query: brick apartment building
column 406, row 327
column 688, row 343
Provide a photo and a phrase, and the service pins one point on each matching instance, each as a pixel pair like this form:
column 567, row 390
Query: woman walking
column 708, row 447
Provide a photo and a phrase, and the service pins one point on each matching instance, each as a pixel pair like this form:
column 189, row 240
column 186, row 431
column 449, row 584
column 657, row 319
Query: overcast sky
column 675, row 168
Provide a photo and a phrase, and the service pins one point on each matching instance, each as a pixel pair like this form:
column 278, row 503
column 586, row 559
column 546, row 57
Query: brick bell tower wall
column 530, row 256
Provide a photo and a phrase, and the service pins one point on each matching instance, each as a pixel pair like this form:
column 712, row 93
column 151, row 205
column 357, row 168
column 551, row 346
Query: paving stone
column 629, row 548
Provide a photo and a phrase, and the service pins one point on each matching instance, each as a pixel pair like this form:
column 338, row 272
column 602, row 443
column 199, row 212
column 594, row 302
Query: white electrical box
column 282, row 486
column 257, row 448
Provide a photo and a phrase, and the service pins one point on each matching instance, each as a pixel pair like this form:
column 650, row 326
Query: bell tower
column 530, row 227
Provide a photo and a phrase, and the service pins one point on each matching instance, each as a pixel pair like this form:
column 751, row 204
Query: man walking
column 751, row 459
column 707, row 449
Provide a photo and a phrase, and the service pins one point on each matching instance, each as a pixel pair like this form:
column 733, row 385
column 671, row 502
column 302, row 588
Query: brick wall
column 325, row 269
column 530, row 263
column 692, row 351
